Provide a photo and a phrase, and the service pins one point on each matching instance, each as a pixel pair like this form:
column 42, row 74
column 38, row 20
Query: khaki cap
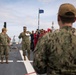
column 64, row 8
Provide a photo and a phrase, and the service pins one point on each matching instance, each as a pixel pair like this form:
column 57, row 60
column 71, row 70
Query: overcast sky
column 19, row 13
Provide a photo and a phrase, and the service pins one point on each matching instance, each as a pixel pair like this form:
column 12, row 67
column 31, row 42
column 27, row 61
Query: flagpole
column 38, row 19
column 39, row 12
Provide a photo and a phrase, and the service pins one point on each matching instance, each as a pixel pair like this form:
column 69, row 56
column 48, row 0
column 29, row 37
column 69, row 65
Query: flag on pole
column 41, row 11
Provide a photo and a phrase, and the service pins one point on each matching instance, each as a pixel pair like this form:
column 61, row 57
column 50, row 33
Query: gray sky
column 19, row 13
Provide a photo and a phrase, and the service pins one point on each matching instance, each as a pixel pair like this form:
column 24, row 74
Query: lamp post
column 52, row 26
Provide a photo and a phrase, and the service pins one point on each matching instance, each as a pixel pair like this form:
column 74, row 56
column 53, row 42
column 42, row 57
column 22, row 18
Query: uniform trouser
column 32, row 46
column 4, row 51
column 26, row 47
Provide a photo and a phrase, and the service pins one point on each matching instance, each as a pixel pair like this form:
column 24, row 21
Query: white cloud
column 46, row 1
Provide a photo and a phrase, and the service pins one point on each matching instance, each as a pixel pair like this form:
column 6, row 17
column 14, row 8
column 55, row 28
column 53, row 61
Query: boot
column 29, row 56
column 1, row 60
column 24, row 58
column 6, row 60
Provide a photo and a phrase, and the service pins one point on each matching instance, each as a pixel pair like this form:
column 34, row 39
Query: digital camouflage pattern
column 4, row 45
column 25, row 43
column 55, row 53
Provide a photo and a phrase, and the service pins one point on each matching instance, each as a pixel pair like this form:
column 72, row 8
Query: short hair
column 4, row 29
column 24, row 27
column 69, row 19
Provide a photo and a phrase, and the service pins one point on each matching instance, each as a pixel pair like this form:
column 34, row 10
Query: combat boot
column 1, row 60
column 29, row 56
column 6, row 60
column 24, row 58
